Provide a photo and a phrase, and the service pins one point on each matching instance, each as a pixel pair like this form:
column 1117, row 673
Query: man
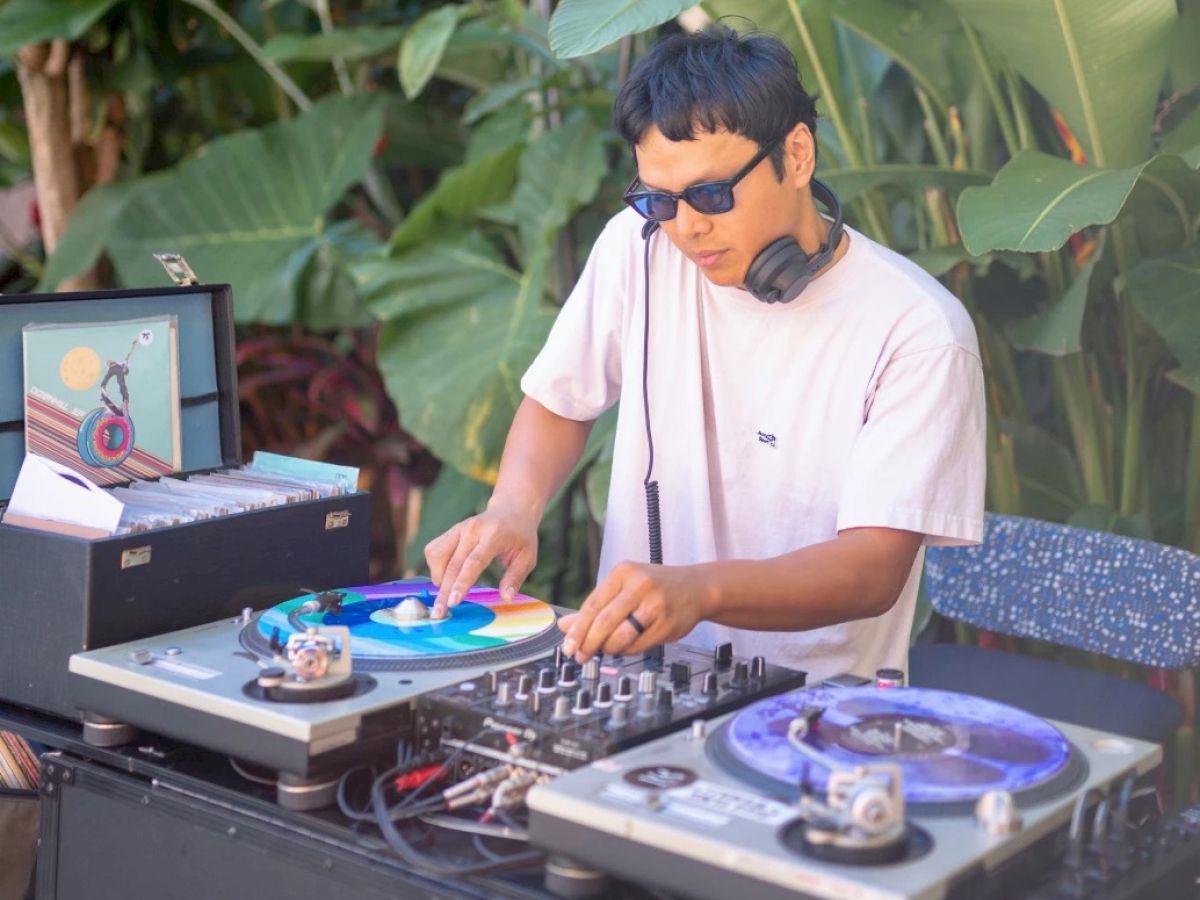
column 806, row 451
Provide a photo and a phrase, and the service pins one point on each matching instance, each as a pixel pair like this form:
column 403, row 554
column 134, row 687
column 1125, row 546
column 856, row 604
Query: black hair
column 714, row 80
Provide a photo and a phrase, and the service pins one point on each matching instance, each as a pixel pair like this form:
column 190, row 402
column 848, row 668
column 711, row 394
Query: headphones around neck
column 782, row 269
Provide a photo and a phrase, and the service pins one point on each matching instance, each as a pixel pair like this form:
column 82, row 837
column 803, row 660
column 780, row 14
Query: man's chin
column 723, row 277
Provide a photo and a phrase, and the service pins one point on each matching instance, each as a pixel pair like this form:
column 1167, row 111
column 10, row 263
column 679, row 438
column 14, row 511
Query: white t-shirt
column 860, row 403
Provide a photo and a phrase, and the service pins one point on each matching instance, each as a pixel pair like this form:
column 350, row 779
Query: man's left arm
column 857, row 575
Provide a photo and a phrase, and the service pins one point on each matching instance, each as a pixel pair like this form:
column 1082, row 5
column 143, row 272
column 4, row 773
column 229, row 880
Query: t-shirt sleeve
column 577, row 373
column 918, row 464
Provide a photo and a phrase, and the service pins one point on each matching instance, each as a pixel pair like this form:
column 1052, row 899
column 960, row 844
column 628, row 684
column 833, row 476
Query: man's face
column 722, row 244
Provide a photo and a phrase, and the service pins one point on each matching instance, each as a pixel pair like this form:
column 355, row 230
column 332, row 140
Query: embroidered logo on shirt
column 764, row 438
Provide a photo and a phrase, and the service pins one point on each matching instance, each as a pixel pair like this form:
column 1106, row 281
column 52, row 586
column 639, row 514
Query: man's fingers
column 606, row 622
column 471, row 568
column 603, row 593
column 625, row 635
column 516, row 573
column 449, row 578
column 438, row 553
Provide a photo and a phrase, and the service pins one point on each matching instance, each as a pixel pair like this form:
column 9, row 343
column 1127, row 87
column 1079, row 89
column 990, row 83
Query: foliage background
column 402, row 193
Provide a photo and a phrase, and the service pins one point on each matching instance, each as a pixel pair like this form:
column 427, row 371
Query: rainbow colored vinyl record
column 482, row 628
column 951, row 748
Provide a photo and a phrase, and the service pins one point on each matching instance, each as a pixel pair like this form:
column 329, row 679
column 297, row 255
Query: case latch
column 177, row 268
column 339, row 519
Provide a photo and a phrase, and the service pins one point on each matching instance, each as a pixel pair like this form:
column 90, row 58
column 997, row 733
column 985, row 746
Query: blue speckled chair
column 1103, row 593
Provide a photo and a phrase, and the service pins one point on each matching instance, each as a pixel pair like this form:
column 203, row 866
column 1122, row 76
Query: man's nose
column 690, row 223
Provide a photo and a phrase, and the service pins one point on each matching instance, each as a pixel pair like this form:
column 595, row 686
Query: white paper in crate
column 47, row 490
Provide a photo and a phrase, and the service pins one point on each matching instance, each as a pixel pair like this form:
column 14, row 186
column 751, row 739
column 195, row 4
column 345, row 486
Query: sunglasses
column 707, row 197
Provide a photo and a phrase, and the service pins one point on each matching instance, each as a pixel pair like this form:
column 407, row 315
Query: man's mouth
column 708, row 258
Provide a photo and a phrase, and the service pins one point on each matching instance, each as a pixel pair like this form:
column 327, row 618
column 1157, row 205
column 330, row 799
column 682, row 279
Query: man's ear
column 800, row 152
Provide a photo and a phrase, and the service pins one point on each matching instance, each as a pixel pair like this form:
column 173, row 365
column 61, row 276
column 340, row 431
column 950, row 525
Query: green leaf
column 579, row 27
column 850, row 183
column 1166, row 291
column 1038, row 201
column 937, row 261
column 460, row 190
column 1056, row 330
column 559, row 172
column 30, row 21
column 501, row 95
column 1185, row 61
column 249, row 208
column 441, row 274
column 1050, row 485
column 1098, row 62
column 1099, row 517
column 424, row 45
column 327, row 296
column 1185, row 136
column 918, row 34
column 344, row 43
column 451, row 498
column 90, row 225
column 453, row 370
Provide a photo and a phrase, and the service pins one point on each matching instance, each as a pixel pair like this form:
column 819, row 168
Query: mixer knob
column 524, row 687
column 558, row 657
column 619, row 717
column 741, row 675
column 653, row 658
column 583, row 703
column 568, row 675
column 646, row 705
column 591, row 669
column 758, row 668
column 504, row 695
column 665, row 699
column 604, row 696
column 493, row 681
column 681, row 673
column 647, row 682
column 562, row 708
column 624, row 688
column 710, row 684
column 546, row 681
column 723, row 655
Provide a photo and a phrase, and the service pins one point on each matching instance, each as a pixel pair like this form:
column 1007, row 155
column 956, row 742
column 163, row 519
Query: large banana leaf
column 1099, row 62
column 343, row 43
column 90, row 225
column 1166, row 291
column 450, row 499
column 579, row 27
column 1057, row 329
column 920, row 35
column 559, row 172
column 454, row 369
column 250, row 208
column 1037, row 201
column 460, row 190
column 850, row 183
column 29, row 21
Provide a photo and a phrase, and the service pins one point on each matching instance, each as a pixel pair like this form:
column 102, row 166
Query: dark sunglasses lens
column 656, row 207
column 710, row 198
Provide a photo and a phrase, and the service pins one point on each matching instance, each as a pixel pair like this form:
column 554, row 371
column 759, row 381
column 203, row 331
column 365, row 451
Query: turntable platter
column 951, row 748
column 482, row 630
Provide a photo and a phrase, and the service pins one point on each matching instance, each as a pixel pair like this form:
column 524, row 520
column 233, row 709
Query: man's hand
column 667, row 601
column 458, row 557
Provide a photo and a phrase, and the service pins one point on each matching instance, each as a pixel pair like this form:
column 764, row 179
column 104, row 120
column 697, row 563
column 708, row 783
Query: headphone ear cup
column 780, row 272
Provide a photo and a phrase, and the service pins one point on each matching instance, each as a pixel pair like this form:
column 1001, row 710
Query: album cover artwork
column 103, row 397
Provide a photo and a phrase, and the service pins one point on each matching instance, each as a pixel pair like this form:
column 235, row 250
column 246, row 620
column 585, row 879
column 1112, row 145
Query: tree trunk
column 64, row 165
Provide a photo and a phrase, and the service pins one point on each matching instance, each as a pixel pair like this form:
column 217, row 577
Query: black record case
column 61, row 594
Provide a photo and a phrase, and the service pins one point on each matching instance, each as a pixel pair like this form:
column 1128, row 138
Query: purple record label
column 950, row 747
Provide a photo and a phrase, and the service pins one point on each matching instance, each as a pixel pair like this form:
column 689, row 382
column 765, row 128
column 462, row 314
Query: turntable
column 310, row 687
column 833, row 792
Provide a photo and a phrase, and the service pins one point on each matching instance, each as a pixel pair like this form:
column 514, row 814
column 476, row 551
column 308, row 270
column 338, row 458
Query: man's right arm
column 541, row 450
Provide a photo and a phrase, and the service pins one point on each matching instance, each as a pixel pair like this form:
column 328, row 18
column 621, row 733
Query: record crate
column 60, row 594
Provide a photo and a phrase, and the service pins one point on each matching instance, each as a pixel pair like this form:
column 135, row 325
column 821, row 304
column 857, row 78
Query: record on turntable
column 391, row 628
column 951, row 748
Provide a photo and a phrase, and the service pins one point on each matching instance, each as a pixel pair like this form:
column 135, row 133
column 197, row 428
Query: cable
column 653, row 513
column 257, row 779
